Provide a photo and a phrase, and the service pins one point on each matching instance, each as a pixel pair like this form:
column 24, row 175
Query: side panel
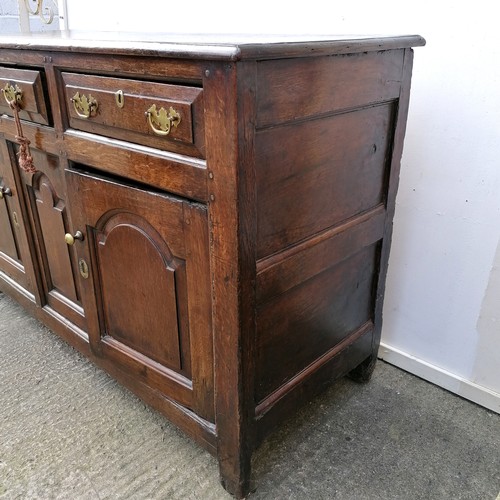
column 300, row 325
column 297, row 89
column 315, row 174
column 327, row 147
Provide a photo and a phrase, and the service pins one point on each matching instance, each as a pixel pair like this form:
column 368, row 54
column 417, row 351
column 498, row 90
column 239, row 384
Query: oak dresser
column 206, row 218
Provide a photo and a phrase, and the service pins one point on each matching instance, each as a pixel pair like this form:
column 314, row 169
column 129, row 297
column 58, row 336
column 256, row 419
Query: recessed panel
column 300, row 325
column 315, row 174
column 138, row 284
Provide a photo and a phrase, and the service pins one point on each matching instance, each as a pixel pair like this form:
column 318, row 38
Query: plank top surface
column 207, row 46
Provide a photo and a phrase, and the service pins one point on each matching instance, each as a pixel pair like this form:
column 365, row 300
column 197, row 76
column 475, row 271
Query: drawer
column 159, row 115
column 30, row 85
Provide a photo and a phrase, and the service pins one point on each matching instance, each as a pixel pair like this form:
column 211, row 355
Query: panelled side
column 324, row 144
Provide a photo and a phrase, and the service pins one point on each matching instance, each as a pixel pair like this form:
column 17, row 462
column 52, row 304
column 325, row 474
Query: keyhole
column 120, row 98
column 15, row 219
column 84, row 268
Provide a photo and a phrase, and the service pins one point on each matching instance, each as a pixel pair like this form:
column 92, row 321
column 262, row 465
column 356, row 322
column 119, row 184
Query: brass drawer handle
column 161, row 121
column 5, row 191
column 13, row 95
column 85, row 107
column 70, row 238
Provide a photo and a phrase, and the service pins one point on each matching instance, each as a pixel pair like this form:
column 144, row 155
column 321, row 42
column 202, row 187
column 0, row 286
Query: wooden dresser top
column 207, row 46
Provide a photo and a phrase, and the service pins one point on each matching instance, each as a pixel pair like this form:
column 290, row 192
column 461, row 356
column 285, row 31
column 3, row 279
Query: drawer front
column 155, row 114
column 28, row 84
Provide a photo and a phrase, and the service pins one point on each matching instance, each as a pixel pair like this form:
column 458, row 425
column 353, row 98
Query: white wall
column 442, row 308
column 15, row 17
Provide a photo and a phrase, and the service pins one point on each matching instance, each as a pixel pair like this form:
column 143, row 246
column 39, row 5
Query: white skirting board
column 449, row 381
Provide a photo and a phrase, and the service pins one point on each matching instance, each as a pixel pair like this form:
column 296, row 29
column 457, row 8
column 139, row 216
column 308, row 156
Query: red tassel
column 25, row 158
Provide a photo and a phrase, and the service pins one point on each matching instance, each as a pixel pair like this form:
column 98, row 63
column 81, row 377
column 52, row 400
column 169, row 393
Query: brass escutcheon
column 83, row 268
column 161, row 121
column 12, row 94
column 15, row 219
column 119, row 98
column 85, row 107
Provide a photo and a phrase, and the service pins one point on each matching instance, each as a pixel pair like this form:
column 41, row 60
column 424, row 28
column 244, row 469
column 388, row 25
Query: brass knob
column 70, row 238
column 5, row 192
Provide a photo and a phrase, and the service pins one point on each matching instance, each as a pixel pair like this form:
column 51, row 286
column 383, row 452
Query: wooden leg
column 235, row 474
column 364, row 371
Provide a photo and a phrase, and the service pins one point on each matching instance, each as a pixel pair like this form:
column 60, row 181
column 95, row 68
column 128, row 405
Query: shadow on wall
column 488, row 326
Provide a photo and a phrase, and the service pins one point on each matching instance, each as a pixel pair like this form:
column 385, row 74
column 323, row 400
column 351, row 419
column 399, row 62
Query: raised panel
column 147, row 297
column 46, row 194
column 339, row 170
column 8, row 244
column 291, row 89
column 310, row 319
column 50, row 220
column 285, row 270
column 124, row 246
column 14, row 250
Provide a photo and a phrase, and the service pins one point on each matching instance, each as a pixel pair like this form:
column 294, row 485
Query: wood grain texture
column 289, row 91
column 293, row 385
column 16, row 245
column 231, row 47
column 393, row 182
column 298, row 326
column 306, row 183
column 8, row 246
column 233, row 272
column 41, row 137
column 33, row 100
column 351, row 352
column 155, row 333
column 290, row 268
column 174, row 173
column 45, row 193
column 11, row 248
column 231, row 414
column 200, row 310
column 130, row 123
column 147, row 263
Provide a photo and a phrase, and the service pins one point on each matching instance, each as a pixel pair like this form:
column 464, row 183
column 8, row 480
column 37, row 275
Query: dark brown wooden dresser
column 206, row 218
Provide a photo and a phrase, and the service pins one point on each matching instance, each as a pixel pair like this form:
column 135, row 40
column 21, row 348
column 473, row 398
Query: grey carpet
column 68, row 431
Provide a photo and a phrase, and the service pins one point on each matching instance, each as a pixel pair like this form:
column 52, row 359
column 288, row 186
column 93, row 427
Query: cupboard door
column 15, row 261
column 46, row 195
column 146, row 292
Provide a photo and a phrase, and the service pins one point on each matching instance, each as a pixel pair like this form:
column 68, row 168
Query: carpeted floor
column 69, row 432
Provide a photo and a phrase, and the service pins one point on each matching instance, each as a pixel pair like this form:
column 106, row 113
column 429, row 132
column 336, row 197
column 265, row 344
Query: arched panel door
column 15, row 259
column 48, row 214
column 147, row 290
column 136, row 266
